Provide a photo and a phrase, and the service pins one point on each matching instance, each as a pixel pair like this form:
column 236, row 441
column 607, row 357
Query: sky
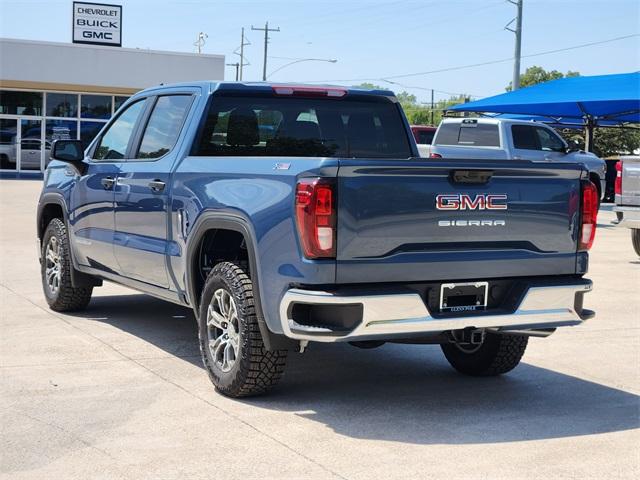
column 372, row 40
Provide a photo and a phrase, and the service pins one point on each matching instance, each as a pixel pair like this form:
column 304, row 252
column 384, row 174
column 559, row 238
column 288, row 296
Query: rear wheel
column 231, row 344
column 55, row 270
column 497, row 354
column 635, row 239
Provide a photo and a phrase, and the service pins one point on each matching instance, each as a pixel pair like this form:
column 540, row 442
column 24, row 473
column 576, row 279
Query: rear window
column 303, row 127
column 468, row 134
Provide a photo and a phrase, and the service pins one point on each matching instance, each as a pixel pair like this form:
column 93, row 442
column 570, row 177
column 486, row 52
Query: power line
column 491, row 62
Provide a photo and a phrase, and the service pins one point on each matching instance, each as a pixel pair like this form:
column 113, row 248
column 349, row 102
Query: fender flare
column 231, row 220
column 48, row 199
column 78, row 278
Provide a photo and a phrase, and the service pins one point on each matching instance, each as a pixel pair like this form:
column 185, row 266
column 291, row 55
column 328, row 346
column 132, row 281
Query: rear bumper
column 405, row 315
column 630, row 216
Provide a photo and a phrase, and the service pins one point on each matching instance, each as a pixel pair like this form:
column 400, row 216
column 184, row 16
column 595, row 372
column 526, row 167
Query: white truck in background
column 627, row 195
column 510, row 139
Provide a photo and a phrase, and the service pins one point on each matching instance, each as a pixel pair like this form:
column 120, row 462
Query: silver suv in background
column 508, row 139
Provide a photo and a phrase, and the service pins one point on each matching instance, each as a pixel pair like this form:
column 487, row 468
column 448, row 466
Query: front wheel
column 497, row 354
column 55, row 270
column 635, row 239
column 231, row 344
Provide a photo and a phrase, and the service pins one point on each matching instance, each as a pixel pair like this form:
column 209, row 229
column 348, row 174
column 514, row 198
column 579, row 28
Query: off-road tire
column 635, row 239
column 256, row 370
column 498, row 354
column 67, row 298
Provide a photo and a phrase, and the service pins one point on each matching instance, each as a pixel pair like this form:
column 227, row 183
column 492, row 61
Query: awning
column 601, row 100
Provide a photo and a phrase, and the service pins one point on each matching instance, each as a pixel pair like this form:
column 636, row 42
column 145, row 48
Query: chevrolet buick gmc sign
column 97, row 24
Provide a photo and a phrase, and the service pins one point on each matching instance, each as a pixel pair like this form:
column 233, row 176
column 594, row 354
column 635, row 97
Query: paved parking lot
column 119, row 392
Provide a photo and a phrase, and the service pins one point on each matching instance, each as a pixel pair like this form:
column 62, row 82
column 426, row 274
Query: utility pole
column 432, row 106
column 515, row 83
column 242, row 45
column 266, row 30
column 237, row 65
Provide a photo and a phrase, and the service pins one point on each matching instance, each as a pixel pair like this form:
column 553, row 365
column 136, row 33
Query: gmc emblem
column 455, row 201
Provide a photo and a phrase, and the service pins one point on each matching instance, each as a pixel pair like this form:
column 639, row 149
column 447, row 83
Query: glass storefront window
column 118, row 102
column 31, row 144
column 62, row 105
column 8, row 132
column 21, row 103
column 95, row 106
column 88, row 131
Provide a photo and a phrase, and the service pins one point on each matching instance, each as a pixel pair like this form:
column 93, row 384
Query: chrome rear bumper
column 630, row 216
column 405, row 315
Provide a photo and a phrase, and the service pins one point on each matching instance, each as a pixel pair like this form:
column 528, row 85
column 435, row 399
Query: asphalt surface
column 118, row 391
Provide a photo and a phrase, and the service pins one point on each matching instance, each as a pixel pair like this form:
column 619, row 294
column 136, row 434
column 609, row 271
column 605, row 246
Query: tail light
column 589, row 215
column 618, row 184
column 435, row 155
column 316, row 217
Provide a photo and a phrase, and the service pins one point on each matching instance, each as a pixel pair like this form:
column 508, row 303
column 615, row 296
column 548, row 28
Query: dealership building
column 70, row 90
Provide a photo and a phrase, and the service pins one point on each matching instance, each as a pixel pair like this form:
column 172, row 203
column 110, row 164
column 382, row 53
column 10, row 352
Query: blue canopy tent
column 602, row 100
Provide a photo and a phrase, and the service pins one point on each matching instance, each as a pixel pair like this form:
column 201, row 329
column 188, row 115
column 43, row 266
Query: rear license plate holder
column 463, row 297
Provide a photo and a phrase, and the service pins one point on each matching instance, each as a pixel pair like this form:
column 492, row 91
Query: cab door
column 91, row 202
column 142, row 193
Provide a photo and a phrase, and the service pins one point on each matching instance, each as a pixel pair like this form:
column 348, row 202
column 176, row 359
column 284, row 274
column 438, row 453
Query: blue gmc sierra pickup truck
column 289, row 214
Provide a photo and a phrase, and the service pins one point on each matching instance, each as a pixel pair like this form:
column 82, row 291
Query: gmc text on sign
column 97, row 23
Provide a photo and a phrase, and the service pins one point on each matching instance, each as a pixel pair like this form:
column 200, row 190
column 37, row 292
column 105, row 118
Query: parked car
column 330, row 231
column 627, row 196
column 423, row 135
column 509, row 139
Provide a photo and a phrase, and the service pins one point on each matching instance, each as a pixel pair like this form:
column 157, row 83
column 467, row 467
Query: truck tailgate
column 391, row 230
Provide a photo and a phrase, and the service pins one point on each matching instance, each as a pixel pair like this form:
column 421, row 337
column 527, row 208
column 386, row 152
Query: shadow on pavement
column 402, row 393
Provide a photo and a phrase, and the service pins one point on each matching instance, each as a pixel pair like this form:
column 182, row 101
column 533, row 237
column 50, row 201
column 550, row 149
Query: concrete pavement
column 118, row 391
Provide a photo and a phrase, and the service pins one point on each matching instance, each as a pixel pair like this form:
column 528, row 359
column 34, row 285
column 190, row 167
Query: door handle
column 107, row 182
column 156, row 185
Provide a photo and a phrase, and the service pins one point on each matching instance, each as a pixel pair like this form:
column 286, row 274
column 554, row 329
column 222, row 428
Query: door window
column 524, row 137
column 531, row 137
column 114, row 142
column 549, row 141
column 164, row 126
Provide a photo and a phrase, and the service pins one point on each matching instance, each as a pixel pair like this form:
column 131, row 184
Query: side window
column 549, row 141
column 164, row 125
column 479, row 135
column 524, row 137
column 113, row 144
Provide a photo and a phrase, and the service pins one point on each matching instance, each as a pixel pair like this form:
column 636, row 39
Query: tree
column 534, row 75
column 420, row 114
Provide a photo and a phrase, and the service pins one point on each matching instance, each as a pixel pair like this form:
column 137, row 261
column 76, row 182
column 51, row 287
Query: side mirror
column 574, row 146
column 69, row 151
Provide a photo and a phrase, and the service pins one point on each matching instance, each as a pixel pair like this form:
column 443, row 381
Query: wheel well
column 217, row 245
column 49, row 212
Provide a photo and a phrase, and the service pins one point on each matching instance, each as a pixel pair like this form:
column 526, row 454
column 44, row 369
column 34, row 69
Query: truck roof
column 491, row 121
column 212, row 86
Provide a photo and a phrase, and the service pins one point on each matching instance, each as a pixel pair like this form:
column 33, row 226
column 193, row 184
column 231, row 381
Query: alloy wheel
column 223, row 330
